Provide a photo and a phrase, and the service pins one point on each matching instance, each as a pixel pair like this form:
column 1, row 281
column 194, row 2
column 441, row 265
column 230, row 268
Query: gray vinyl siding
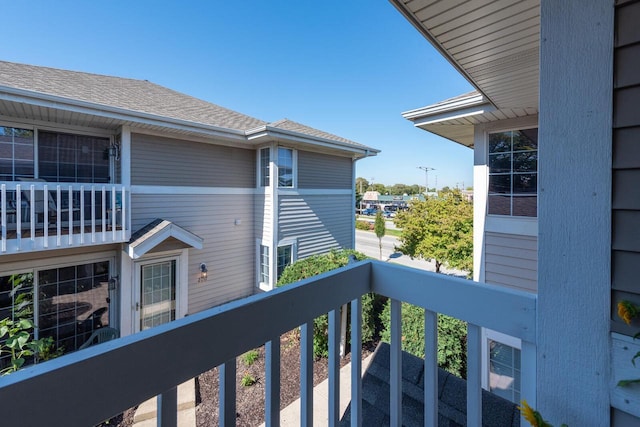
column 625, row 239
column 228, row 249
column 316, row 170
column 171, row 162
column 511, row 260
column 263, row 216
column 320, row 223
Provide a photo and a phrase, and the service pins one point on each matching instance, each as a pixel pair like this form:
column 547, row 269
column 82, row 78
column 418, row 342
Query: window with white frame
column 64, row 303
column 264, row 277
column 513, row 173
column 285, row 258
column 285, row 167
column 503, row 365
column 265, row 173
column 16, row 153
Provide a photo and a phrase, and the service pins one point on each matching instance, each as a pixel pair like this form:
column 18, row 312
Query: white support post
column 334, row 367
column 356, row 363
column 474, row 373
column 272, row 386
column 306, row 375
column 70, row 215
column 395, row 379
column 82, row 214
column 58, row 214
column 430, row 368
column 227, row 397
column 3, row 196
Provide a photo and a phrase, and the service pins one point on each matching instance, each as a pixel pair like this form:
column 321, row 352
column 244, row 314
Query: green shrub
column 250, row 357
column 452, row 337
column 318, row 264
column 363, row 225
column 248, row 380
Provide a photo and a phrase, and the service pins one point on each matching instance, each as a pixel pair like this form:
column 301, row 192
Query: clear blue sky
column 345, row 67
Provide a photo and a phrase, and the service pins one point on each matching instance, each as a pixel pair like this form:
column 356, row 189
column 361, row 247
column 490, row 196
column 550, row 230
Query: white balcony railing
column 42, row 215
column 127, row 371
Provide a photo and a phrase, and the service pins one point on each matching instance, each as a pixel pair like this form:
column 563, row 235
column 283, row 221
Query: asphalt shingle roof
column 129, row 94
column 290, row 125
column 452, row 396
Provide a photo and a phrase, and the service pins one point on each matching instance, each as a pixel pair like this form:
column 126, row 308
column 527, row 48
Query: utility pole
column 426, row 170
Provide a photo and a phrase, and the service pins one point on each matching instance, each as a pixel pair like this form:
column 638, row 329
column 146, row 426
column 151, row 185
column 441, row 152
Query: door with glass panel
column 156, row 293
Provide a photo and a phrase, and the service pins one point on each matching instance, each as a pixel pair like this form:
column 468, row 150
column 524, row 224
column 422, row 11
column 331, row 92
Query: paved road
column 367, row 243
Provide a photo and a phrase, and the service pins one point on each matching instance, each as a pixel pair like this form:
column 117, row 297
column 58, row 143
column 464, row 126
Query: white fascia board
column 448, row 107
column 268, row 134
column 457, row 114
column 90, row 108
column 158, row 236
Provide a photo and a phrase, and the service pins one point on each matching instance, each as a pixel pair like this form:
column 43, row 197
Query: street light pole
column 426, row 170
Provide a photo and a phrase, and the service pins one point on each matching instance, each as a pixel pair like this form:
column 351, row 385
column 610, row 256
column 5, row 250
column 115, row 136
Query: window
column 72, row 302
column 265, row 173
column 285, row 257
column 158, row 294
column 16, row 153
column 66, row 303
column 504, row 370
column 264, row 265
column 285, row 167
column 513, row 173
column 73, row 158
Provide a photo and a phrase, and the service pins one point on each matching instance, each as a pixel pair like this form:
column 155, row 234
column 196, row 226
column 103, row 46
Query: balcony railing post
column 334, row 367
column 430, row 368
column 306, row 374
column 168, row 408
column 474, row 376
column 356, row 362
column 395, row 413
column 272, row 392
column 227, row 398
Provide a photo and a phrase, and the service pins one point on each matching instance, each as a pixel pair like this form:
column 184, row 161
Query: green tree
column 379, row 228
column 361, row 185
column 317, row 264
column 439, row 229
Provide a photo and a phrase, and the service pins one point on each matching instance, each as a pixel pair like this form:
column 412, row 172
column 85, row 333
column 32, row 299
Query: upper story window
column 513, row 173
column 16, row 153
column 265, row 161
column 73, row 158
column 61, row 157
column 285, row 167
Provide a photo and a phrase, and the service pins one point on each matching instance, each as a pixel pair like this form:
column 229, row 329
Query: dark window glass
column 73, row 158
column 513, row 168
column 499, row 184
column 285, row 167
column 500, row 163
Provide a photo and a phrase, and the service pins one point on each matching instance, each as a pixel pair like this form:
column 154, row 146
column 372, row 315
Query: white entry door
column 156, row 293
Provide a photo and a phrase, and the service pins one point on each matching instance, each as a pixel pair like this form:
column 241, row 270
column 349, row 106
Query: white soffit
column 494, row 44
column 455, row 118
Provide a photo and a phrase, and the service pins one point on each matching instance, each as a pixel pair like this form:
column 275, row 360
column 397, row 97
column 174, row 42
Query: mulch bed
column 250, row 399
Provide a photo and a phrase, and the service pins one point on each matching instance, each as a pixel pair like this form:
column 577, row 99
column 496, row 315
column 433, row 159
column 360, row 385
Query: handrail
column 127, row 371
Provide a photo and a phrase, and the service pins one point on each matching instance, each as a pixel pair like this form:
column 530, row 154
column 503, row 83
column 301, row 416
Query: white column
column 574, row 187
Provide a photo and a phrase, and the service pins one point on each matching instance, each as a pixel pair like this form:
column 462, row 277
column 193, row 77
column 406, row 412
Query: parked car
column 370, row 211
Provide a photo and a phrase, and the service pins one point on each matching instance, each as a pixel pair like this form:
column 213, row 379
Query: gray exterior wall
column 625, row 239
column 511, row 260
column 229, row 250
column 316, row 170
column 320, row 223
column 163, row 161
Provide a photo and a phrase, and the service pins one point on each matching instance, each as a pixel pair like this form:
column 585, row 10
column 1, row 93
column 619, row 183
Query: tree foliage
column 439, row 229
column 452, row 337
column 379, row 228
column 318, row 264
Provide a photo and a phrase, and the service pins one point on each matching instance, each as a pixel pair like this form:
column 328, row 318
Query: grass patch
column 250, row 357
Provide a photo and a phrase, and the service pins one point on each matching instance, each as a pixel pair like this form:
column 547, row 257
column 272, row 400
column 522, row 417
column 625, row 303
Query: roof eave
column 99, row 110
column 269, row 133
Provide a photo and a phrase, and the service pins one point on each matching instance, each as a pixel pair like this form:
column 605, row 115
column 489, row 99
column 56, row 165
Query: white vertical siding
column 318, row 222
column 511, row 260
column 228, row 249
column 263, row 216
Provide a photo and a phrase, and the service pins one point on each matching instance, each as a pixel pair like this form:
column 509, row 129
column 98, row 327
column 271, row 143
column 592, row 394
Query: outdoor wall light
column 114, row 151
column 203, row 272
